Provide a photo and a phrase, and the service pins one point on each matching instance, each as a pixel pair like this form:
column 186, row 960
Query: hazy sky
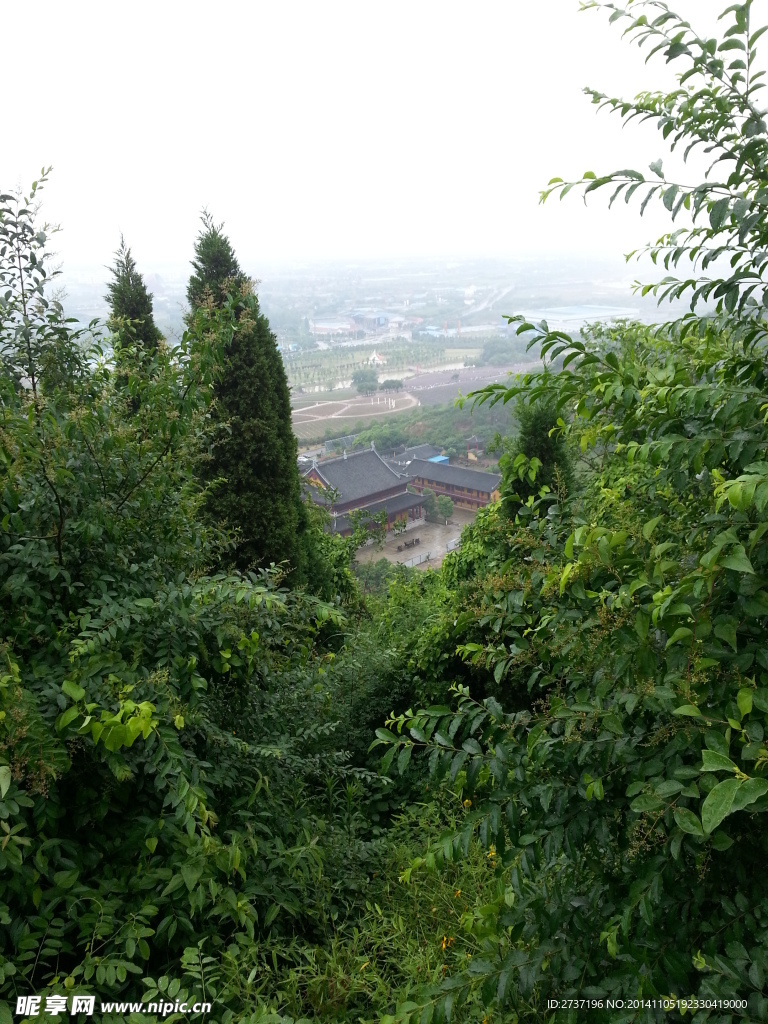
column 351, row 129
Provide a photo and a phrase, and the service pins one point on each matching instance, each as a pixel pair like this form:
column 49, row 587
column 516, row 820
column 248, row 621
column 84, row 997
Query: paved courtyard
column 433, row 540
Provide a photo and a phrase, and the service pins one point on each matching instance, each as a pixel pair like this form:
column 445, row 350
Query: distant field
column 441, row 388
column 338, row 394
column 471, row 355
column 313, row 420
column 344, row 412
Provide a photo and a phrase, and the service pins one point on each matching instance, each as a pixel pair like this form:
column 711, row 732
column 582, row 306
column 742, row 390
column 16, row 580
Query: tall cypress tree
column 255, row 449
column 129, row 299
column 215, row 265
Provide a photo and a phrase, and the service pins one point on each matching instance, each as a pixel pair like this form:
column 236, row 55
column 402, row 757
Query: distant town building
column 373, row 321
column 467, row 488
column 332, row 326
column 361, row 481
column 401, row 457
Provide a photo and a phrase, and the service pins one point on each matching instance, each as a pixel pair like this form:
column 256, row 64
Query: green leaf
column 726, row 631
column 667, row 788
column 647, row 802
column 744, row 700
column 271, row 914
column 535, row 735
column 749, row 791
column 68, row 716
column 681, row 633
column 191, row 873
column 387, row 760
column 676, row 843
column 738, row 561
column 403, row 758
column 72, row 690
column 65, row 879
column 612, row 723
column 718, row 212
column 642, row 624
column 688, row 821
column 669, row 196
column 650, row 526
column 721, row 841
column 688, row 709
column 718, row 804
column 714, row 762
column 175, row 883
column 5, row 779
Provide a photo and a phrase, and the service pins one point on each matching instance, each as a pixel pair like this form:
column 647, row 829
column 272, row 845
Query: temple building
column 361, row 481
column 467, row 488
column 401, row 457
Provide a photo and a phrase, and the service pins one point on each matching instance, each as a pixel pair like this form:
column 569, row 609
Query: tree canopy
column 366, row 380
column 215, row 266
column 251, row 470
column 129, row 299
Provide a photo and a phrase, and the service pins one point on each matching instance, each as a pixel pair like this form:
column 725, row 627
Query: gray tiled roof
column 399, row 503
column 391, row 506
column 359, row 475
column 441, row 473
column 419, row 451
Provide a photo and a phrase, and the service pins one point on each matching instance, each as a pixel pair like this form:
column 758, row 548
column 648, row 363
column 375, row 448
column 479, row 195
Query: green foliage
column 252, row 469
column 250, row 472
column 501, row 351
column 171, row 788
column 38, row 348
column 129, row 299
column 375, row 577
column 416, row 925
column 444, row 506
column 580, row 694
column 616, row 769
column 391, row 385
column 715, row 108
column 216, row 270
column 324, row 560
column 366, row 380
column 620, row 770
column 540, row 437
column 446, row 426
column 429, row 505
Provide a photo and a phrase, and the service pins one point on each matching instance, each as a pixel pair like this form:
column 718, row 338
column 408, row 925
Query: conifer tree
column 254, row 454
column 215, row 264
column 129, row 299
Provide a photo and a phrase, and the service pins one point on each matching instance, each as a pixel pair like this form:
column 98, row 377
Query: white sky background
column 349, row 129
